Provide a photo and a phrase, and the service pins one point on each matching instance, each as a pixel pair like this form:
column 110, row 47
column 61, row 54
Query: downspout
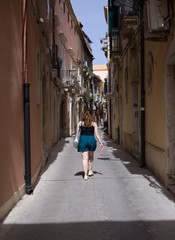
column 26, row 96
column 142, row 163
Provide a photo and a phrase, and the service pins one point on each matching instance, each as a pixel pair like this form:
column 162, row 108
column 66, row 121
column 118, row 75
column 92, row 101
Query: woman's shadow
column 82, row 173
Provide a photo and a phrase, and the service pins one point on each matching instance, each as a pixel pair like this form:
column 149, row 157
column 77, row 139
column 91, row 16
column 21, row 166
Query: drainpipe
column 26, row 96
column 142, row 163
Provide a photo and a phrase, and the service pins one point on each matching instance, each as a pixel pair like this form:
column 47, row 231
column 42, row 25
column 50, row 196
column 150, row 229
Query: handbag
column 77, row 137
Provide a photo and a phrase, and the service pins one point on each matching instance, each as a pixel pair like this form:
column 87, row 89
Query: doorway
column 135, row 106
column 62, row 117
column 44, row 106
column 170, row 119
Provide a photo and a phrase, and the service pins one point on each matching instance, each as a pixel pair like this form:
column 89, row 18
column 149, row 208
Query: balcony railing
column 115, row 44
column 71, row 85
column 128, row 18
column 127, row 9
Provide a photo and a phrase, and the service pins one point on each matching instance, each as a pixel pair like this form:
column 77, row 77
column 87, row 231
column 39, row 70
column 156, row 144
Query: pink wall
column 37, row 45
column 33, row 45
column 11, row 104
column 45, row 115
column 65, row 27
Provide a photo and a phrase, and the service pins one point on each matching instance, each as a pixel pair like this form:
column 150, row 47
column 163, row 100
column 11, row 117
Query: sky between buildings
column 91, row 15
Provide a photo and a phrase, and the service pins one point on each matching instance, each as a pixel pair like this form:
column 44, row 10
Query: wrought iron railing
column 127, row 8
column 115, row 41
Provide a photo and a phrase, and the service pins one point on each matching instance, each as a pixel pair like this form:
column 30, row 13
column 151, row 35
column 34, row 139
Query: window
column 61, row 8
column 59, row 1
column 68, row 16
column 149, row 72
column 158, row 19
column 63, row 68
column 126, row 84
column 157, row 15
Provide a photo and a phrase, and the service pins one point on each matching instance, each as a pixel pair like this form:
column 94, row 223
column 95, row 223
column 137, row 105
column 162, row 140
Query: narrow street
column 121, row 201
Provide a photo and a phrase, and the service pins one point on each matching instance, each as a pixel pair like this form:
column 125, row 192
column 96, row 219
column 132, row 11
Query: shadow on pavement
column 79, row 174
column 56, row 149
column 82, row 173
column 133, row 166
column 107, row 230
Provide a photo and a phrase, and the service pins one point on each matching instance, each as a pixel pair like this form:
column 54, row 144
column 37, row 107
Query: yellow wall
column 127, row 105
column 155, row 100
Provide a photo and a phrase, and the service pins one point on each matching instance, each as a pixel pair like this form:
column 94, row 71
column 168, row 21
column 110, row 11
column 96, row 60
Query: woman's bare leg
column 90, row 160
column 85, row 162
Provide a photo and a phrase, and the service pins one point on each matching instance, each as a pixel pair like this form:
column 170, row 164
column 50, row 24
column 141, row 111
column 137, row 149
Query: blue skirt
column 87, row 143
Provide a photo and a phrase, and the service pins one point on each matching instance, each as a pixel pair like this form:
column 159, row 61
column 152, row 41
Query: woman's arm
column 79, row 124
column 98, row 136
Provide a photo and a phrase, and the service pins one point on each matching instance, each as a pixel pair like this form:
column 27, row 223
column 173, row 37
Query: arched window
column 126, row 84
column 149, row 72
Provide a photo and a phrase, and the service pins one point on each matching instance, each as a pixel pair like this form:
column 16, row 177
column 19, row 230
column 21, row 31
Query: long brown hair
column 87, row 118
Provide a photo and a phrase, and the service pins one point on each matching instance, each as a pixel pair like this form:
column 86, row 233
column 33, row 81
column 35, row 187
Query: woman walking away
column 87, row 143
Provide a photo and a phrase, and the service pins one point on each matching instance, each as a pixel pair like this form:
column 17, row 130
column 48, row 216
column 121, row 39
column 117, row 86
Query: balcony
column 105, row 50
column 127, row 8
column 71, row 84
column 128, row 26
column 104, row 42
column 128, row 19
column 115, row 46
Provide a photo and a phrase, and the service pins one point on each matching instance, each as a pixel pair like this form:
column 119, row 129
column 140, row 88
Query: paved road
column 120, row 202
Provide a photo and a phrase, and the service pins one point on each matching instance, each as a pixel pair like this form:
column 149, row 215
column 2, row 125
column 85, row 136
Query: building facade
column 101, row 72
column 43, row 53
column 140, row 53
